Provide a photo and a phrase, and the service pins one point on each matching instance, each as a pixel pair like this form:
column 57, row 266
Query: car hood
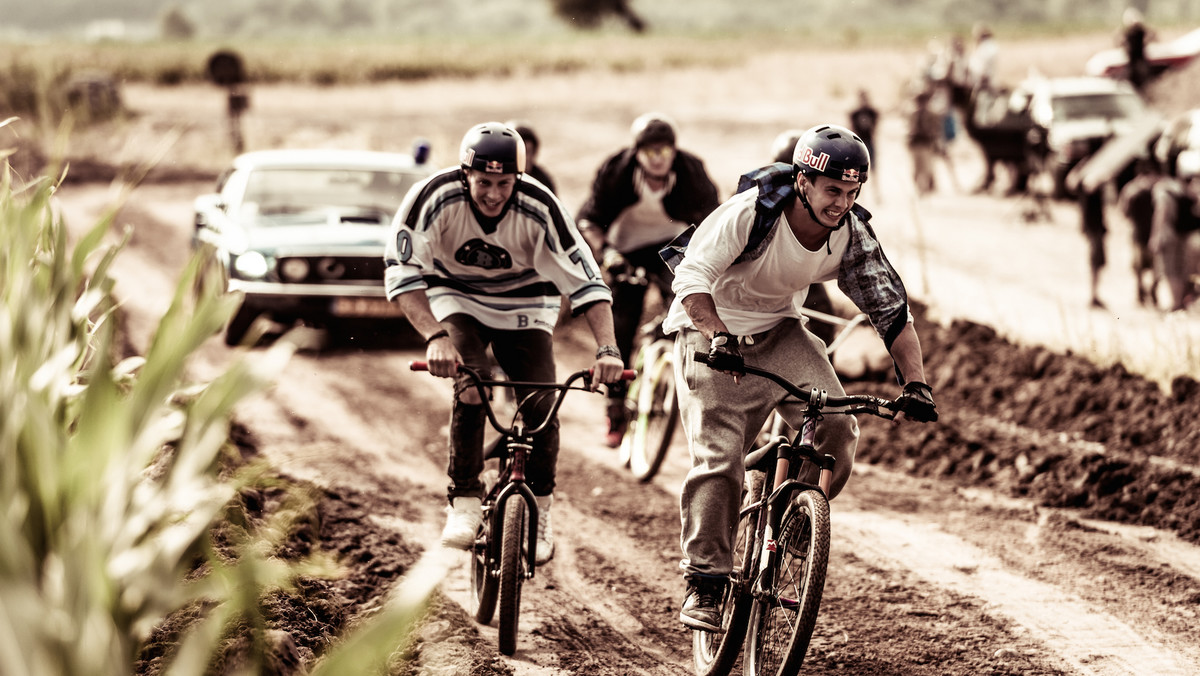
column 312, row 240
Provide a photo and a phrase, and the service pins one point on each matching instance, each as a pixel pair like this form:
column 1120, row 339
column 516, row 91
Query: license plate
column 366, row 307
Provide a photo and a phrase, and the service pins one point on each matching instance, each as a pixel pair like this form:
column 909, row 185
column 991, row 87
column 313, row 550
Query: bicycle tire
column 657, row 418
column 717, row 654
column 625, row 450
column 512, row 572
column 484, row 585
column 782, row 624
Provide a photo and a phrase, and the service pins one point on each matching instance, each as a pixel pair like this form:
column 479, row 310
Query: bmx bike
column 781, row 552
column 653, row 409
column 505, row 549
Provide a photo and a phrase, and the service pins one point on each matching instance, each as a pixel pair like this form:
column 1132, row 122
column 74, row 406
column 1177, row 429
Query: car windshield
column 1108, row 106
column 291, row 196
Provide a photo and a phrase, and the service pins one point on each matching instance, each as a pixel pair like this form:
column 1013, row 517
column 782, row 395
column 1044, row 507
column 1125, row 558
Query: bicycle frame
column 517, row 440
column 756, row 574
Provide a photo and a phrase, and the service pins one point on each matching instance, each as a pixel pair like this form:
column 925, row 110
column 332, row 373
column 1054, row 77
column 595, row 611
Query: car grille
column 327, row 269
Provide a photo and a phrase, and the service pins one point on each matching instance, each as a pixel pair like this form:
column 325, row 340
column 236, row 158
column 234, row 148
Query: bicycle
column 510, row 512
column 653, row 408
column 781, row 552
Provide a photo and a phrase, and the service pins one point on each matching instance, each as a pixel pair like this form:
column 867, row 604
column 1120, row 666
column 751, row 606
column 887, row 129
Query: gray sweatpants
column 722, row 419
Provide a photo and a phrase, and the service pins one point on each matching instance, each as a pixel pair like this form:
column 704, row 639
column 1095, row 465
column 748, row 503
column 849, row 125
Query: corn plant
column 111, row 472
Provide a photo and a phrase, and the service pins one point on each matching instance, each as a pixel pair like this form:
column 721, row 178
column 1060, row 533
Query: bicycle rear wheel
column 716, row 654
column 512, row 571
column 781, row 624
column 657, row 418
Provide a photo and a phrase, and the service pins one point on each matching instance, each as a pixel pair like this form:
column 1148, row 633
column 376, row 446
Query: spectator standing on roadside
column 532, row 145
column 981, row 65
column 981, row 79
column 1134, row 37
column 1176, row 226
column 957, row 77
column 864, row 120
column 924, row 140
column 479, row 257
column 1091, row 207
column 642, row 197
column 1136, row 203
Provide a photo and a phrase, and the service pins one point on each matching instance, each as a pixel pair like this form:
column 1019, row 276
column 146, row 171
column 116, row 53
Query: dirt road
column 1047, row 525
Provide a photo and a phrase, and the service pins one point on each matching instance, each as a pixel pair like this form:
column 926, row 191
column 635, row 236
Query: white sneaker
column 463, row 517
column 545, row 532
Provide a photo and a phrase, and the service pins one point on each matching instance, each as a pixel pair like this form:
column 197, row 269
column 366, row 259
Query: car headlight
column 251, row 265
column 293, row 269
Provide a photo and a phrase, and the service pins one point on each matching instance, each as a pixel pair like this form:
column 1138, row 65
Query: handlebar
column 819, row 399
column 627, row 374
column 562, row 388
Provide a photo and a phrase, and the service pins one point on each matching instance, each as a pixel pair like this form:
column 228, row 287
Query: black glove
column 615, row 264
column 724, row 355
column 916, row 402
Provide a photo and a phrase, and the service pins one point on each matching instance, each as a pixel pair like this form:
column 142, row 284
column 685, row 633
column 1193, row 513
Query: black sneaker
column 702, row 604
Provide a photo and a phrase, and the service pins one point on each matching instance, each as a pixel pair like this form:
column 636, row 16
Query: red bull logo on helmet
column 818, row 162
column 850, row 175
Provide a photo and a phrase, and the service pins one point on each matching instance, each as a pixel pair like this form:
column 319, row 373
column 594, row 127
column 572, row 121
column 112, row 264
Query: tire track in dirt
column 1087, row 638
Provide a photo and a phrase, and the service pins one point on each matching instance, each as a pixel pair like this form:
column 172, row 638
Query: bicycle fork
column 514, row 488
column 784, row 487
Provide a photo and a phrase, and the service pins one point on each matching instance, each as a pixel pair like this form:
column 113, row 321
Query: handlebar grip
column 701, row 357
column 627, row 374
column 418, row 366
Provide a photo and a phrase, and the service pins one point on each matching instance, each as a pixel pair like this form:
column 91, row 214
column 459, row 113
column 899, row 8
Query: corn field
column 114, row 471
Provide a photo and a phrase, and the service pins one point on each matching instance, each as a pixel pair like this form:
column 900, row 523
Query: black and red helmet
column 833, row 151
column 493, row 148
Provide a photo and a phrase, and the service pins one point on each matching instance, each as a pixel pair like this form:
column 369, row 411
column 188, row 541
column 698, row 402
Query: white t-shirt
column 645, row 222
column 754, row 295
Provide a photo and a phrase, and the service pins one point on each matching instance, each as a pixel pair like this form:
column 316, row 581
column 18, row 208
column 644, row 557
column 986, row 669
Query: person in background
column 925, row 131
column 533, row 145
column 642, row 197
column 737, row 299
column 981, row 80
column 1134, row 38
column 1136, row 203
column 479, row 258
column 981, row 64
column 864, row 120
column 1176, row 227
column 1091, row 207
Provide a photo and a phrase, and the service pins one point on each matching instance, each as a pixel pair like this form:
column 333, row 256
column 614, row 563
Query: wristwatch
column 608, row 351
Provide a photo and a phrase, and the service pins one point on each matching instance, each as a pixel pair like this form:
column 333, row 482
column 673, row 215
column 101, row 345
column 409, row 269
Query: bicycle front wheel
column 484, row 585
column 512, row 571
column 782, row 622
column 657, row 418
column 716, row 654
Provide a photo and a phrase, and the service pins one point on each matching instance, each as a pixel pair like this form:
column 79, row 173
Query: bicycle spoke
column 786, row 616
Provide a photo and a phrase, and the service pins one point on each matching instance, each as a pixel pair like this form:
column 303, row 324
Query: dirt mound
column 1054, row 427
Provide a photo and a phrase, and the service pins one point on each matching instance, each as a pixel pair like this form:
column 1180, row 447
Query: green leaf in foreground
column 111, row 472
